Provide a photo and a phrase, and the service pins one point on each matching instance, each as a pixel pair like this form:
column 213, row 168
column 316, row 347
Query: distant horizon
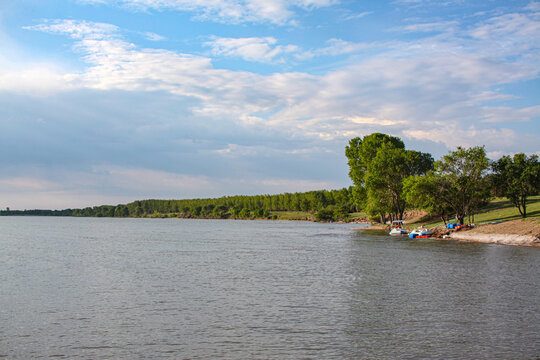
column 112, row 101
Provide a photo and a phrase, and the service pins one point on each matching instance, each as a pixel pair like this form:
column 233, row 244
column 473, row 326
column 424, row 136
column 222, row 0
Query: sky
column 111, row 101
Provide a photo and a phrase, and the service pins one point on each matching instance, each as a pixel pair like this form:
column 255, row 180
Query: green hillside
column 499, row 209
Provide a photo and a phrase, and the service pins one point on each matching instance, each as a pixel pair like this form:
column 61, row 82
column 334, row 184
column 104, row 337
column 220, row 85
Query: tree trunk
column 444, row 220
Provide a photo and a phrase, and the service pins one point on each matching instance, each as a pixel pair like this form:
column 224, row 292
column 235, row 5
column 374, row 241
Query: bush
column 325, row 215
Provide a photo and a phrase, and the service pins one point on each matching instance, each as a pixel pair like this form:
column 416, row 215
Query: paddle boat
column 420, row 233
column 397, row 228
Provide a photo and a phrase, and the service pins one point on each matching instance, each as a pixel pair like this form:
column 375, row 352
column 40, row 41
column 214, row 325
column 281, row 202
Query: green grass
column 501, row 209
column 292, row 215
column 358, row 215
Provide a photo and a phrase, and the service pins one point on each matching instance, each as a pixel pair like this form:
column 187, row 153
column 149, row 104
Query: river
column 102, row 288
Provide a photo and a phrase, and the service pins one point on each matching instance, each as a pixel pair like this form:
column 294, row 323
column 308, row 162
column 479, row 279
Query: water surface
column 201, row 289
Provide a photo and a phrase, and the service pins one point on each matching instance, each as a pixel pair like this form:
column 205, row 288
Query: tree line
column 388, row 179
column 326, row 205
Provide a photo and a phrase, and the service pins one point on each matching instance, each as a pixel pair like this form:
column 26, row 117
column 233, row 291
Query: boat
column 397, row 228
column 420, row 233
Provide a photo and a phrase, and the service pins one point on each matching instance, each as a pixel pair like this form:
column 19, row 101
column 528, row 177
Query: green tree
column 422, row 192
column 378, row 204
column 325, row 215
column 360, row 152
column 517, row 178
column 244, row 214
column 386, row 173
column 460, row 182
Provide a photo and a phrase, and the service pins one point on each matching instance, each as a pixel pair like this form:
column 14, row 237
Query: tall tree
column 360, row 152
column 459, row 179
column 517, row 178
column 390, row 167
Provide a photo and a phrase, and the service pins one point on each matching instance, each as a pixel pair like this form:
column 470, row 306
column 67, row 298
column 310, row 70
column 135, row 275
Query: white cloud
column 76, row 29
column 429, row 27
column 499, row 114
column 279, row 12
column 153, row 36
column 374, row 121
column 27, row 184
column 453, row 136
column 146, row 180
column 251, row 49
column 358, row 15
column 520, row 24
column 420, row 86
column 533, row 6
column 340, row 47
column 39, row 79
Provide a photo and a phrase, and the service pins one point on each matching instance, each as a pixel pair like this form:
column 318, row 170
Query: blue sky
column 109, row 101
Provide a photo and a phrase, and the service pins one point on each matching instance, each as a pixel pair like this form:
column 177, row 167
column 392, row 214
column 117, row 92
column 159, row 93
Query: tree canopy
column 378, row 165
column 458, row 182
column 517, row 178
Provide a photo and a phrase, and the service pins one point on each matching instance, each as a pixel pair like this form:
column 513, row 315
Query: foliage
column 387, row 171
column 37, row 212
column 324, row 215
column 360, row 152
column 378, row 164
column 459, row 181
column 230, row 207
column 517, row 178
column 421, row 193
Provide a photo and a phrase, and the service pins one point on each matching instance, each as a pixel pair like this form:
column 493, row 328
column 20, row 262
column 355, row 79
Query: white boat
column 397, row 228
column 420, row 232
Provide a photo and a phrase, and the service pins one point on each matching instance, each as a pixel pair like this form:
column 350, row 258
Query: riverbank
column 521, row 232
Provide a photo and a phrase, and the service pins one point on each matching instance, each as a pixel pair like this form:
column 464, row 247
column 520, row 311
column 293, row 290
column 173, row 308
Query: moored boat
column 397, row 228
column 420, row 233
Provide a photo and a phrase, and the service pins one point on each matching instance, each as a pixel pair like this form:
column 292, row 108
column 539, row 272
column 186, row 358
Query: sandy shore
column 502, row 239
column 523, row 232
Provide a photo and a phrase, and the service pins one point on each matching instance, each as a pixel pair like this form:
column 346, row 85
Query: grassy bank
column 500, row 209
column 292, row 215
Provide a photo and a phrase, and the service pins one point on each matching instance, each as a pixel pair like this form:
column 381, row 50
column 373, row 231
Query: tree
column 459, row 181
column 387, row 171
column 244, row 214
column 325, row 215
column 517, row 178
column 421, row 192
column 378, row 204
column 360, row 152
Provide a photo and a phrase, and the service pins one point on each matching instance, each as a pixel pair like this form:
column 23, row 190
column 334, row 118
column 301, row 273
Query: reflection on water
column 202, row 289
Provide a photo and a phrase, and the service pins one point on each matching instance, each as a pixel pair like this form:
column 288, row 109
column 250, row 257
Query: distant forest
column 333, row 204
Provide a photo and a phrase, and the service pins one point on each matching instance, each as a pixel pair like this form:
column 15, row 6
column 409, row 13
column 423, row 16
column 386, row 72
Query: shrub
column 325, row 215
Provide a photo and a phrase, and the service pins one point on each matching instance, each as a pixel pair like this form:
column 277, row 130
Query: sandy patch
column 503, row 239
column 529, row 226
column 523, row 232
